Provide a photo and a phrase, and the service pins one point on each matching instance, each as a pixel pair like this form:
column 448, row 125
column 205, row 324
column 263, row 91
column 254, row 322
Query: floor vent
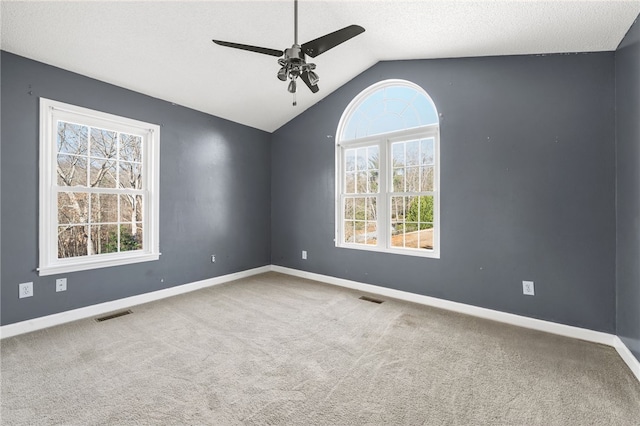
column 371, row 299
column 114, row 315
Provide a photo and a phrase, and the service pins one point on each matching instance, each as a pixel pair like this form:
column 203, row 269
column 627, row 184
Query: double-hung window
column 387, row 163
column 98, row 189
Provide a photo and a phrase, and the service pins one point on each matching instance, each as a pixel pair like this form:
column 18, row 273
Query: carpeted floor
column 274, row 349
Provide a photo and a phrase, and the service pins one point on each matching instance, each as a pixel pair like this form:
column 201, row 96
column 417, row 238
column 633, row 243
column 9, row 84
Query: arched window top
column 385, row 107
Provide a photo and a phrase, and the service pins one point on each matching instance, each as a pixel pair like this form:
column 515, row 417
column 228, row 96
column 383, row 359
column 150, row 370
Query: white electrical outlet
column 527, row 288
column 61, row 284
column 25, row 289
column 213, row 258
column 304, row 254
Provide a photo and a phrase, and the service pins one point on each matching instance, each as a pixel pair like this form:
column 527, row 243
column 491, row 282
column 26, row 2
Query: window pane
column 411, row 235
column 72, row 138
column 350, row 183
column 139, row 234
column 103, row 143
column 130, row 208
column 361, row 159
column 397, row 209
column 72, row 241
column 373, row 156
column 103, row 173
column 399, row 217
column 72, row 207
column 72, row 170
column 362, row 183
column 373, row 106
column 359, row 231
column 428, row 114
column 130, row 175
column 138, row 208
column 426, row 236
column 395, row 107
column 397, row 154
column 412, row 179
column 397, row 235
column 130, row 148
column 411, row 117
column 371, row 209
column 104, row 208
column 413, row 153
column 385, row 123
column 374, row 187
column 360, row 208
column 372, row 234
column 426, row 178
column 349, row 231
column 398, row 180
column 403, row 93
column 427, row 155
column 348, row 208
column 350, row 160
column 104, row 238
column 373, row 168
column 130, row 237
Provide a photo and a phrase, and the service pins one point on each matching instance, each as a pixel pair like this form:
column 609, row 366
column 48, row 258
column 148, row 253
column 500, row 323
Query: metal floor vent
column 371, row 299
column 114, row 315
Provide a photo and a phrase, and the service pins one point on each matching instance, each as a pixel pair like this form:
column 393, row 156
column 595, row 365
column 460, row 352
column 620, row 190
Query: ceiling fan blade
column 263, row 50
column 305, row 77
column 320, row 45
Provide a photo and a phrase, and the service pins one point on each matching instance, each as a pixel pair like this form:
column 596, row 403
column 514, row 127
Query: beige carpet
column 273, row 349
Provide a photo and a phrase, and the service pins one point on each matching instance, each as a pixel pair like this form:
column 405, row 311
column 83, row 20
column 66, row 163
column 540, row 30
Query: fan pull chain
column 294, row 99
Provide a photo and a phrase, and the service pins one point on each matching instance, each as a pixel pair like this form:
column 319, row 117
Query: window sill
column 433, row 254
column 103, row 261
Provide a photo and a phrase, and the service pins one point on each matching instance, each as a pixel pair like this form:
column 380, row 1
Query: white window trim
column 50, row 112
column 384, row 142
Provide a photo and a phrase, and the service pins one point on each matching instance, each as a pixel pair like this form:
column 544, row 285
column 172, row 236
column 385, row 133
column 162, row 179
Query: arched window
column 387, row 171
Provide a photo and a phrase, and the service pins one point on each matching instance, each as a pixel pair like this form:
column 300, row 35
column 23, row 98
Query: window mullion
column 340, row 189
column 51, row 196
column 383, row 224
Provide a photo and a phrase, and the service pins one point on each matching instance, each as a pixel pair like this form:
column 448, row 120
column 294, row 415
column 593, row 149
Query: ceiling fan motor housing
column 294, row 63
column 294, row 55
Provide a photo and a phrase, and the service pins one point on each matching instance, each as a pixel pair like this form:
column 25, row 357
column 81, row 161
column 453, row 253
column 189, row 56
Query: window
column 387, row 171
column 98, row 189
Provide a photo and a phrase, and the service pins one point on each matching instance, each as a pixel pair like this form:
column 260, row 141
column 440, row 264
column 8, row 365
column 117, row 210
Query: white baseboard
column 102, row 308
column 513, row 319
column 628, row 357
column 521, row 321
column 518, row 320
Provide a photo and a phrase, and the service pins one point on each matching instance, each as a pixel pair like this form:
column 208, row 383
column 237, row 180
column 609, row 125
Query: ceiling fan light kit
column 294, row 64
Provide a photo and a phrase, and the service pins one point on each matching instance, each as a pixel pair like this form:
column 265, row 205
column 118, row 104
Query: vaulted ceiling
column 164, row 49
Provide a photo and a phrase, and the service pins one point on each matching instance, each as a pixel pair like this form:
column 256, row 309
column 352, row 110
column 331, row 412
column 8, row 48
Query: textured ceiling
column 164, row 49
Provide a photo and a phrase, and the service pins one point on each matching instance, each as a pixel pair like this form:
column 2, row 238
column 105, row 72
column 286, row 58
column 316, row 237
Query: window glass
column 389, row 109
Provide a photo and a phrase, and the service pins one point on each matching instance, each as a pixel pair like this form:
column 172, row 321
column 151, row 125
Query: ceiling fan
column 294, row 64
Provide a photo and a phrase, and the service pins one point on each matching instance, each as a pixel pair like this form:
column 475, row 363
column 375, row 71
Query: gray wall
column 528, row 187
column 214, row 179
column 628, row 189
column 528, row 156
